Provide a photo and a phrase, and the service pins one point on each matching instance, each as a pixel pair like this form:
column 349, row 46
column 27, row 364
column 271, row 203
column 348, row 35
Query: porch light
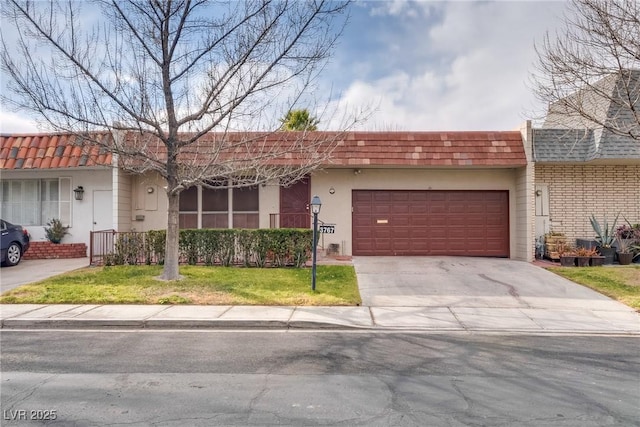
column 78, row 192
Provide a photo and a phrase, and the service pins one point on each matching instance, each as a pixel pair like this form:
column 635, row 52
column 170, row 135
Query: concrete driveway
column 32, row 270
column 469, row 282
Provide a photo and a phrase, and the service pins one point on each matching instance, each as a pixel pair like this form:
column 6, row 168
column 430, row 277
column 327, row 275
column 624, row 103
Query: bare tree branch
column 589, row 73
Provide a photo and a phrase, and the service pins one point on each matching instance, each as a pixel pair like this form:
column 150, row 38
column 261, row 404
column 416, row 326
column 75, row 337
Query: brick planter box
column 48, row 250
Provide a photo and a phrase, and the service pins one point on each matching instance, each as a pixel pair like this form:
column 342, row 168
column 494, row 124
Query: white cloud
column 480, row 57
column 393, row 7
column 17, row 123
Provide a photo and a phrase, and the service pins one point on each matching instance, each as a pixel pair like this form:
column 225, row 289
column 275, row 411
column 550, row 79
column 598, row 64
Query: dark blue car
column 15, row 242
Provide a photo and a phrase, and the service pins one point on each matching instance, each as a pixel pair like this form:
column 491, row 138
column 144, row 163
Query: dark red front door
column 294, row 205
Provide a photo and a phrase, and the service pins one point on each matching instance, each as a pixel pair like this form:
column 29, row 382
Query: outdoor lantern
column 78, row 192
column 315, row 204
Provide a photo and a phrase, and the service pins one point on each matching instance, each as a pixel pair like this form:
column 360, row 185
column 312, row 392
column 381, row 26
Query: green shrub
column 227, row 246
column 259, row 247
column 246, row 242
column 156, row 243
column 189, row 245
column 209, row 247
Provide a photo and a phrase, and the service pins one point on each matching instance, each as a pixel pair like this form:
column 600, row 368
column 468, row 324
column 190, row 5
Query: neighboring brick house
column 584, row 168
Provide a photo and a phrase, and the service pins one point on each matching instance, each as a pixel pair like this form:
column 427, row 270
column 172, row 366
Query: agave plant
column 605, row 234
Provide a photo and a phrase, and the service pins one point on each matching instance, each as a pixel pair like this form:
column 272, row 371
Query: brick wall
column 577, row 191
column 48, row 250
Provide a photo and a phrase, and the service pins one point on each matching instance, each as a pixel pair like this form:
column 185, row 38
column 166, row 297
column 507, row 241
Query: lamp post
column 315, row 204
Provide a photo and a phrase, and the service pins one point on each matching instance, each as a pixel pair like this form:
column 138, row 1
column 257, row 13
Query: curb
column 159, row 324
column 7, row 324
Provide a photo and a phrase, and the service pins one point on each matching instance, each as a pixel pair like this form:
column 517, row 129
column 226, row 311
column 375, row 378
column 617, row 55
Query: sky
column 425, row 66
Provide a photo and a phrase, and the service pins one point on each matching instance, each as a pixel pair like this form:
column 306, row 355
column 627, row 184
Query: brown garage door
column 462, row 223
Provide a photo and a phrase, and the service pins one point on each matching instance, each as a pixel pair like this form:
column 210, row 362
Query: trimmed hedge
column 250, row 248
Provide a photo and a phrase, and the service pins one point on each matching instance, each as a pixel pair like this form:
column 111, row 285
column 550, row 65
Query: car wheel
column 14, row 253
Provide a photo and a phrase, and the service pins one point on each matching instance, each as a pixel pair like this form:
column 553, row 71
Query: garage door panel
column 438, row 233
column 471, row 223
column 419, row 221
column 475, row 221
column 456, row 221
column 437, row 207
column 475, row 209
column 401, row 221
column 437, row 220
column 382, row 197
column 499, row 210
column 400, row 197
column 401, row 209
column 438, row 245
column 402, row 233
column 458, row 234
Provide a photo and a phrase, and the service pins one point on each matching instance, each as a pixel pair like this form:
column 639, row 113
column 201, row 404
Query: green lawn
column 336, row 285
column 617, row 282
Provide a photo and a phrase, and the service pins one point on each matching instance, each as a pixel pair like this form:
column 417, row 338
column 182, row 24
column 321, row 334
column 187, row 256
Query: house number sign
column 328, row 228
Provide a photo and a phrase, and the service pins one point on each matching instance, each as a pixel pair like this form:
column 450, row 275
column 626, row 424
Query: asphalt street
column 203, row 378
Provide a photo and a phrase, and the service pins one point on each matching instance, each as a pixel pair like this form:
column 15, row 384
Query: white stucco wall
column 81, row 210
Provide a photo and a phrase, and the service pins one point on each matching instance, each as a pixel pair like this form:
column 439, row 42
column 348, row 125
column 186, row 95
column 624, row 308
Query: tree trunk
column 171, row 271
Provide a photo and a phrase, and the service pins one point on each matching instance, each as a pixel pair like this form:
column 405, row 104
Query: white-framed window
column 36, row 201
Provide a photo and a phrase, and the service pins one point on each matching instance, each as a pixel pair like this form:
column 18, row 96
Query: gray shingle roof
column 563, row 145
column 611, row 131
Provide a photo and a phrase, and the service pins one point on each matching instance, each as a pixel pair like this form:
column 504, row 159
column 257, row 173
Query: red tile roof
column 51, row 151
column 360, row 149
column 498, row 149
column 354, row 149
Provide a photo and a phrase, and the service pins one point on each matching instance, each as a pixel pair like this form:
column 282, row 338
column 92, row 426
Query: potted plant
column 625, row 256
column 567, row 255
column 583, row 256
column 595, row 259
column 55, row 231
column 628, row 242
column 605, row 237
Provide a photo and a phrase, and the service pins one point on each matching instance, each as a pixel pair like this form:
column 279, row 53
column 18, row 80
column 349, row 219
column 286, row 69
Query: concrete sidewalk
column 425, row 294
column 613, row 318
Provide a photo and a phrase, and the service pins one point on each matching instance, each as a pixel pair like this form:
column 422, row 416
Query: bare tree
column 174, row 81
column 589, row 73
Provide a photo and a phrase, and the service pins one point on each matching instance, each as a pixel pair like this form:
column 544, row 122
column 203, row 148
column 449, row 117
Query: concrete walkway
column 436, row 294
